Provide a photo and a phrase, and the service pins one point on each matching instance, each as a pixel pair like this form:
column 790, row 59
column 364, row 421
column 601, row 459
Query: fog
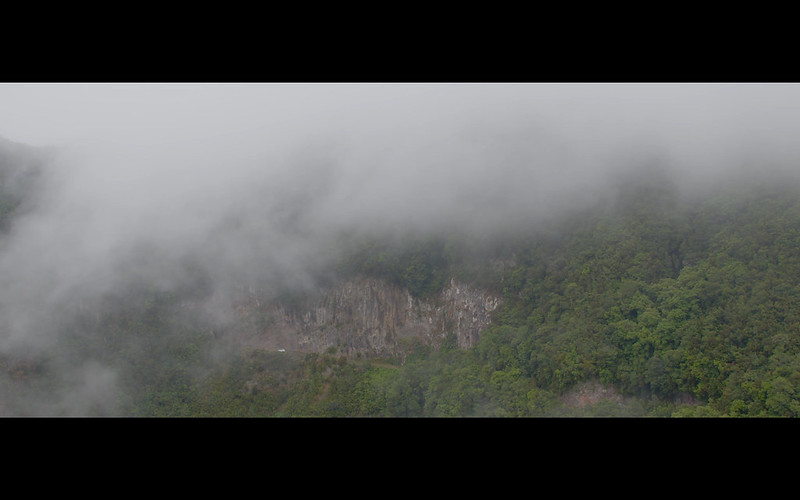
column 248, row 181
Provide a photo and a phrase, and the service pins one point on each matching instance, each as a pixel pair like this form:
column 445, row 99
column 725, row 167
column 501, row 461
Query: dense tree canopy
column 686, row 306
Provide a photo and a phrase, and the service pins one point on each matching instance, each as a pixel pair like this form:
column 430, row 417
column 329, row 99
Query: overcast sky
column 397, row 151
column 172, row 163
column 150, row 114
column 212, row 121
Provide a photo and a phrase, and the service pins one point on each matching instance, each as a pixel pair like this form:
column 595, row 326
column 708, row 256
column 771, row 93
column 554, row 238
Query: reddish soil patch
column 590, row 393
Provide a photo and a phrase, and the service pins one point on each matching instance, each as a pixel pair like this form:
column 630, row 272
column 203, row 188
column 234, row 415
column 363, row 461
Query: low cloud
column 248, row 181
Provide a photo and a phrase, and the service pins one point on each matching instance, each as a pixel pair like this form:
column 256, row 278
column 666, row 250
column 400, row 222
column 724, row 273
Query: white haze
column 249, row 179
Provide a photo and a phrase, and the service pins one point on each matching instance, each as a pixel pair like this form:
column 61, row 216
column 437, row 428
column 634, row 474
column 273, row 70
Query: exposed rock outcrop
column 368, row 317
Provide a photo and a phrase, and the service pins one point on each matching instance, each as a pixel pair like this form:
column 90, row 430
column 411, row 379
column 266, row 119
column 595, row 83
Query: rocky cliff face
column 368, row 317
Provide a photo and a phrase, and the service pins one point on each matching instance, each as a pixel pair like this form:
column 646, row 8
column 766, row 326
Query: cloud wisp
column 249, row 180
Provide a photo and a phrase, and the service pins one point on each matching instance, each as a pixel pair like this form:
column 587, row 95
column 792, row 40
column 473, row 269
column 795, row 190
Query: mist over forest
column 211, row 189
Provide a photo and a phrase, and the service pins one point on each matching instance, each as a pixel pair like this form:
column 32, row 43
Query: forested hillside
column 658, row 300
column 675, row 305
column 684, row 306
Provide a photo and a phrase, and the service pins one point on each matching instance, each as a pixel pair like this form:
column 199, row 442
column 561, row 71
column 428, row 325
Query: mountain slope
column 667, row 301
column 652, row 301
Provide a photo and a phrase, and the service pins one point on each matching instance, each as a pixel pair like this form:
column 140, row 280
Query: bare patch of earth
column 590, row 393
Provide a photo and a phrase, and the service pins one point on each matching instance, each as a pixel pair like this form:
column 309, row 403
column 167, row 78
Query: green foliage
column 421, row 263
column 686, row 307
